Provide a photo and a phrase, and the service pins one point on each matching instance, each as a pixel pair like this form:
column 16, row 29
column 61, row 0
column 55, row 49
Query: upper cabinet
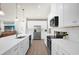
column 59, row 13
column 70, row 14
column 56, row 10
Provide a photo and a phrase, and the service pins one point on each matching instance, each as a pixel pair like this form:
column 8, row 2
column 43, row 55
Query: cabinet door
column 59, row 11
column 70, row 13
column 14, row 50
column 77, row 20
column 53, row 49
column 26, row 45
column 23, row 46
column 44, row 36
column 52, row 13
column 7, row 52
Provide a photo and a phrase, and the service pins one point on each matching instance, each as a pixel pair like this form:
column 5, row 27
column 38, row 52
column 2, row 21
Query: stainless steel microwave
column 54, row 22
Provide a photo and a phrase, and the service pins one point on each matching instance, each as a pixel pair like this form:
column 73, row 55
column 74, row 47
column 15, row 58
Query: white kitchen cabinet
column 56, row 10
column 19, row 49
column 70, row 12
column 44, row 36
column 26, row 44
column 7, row 52
column 12, row 51
column 57, row 49
column 52, row 13
column 53, row 51
column 23, row 46
column 59, row 12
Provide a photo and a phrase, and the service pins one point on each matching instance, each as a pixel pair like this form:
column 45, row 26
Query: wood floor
column 38, row 48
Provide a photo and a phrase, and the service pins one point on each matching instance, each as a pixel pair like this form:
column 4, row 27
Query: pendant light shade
column 1, row 11
column 16, row 14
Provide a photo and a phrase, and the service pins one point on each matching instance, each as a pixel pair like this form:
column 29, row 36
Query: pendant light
column 1, row 12
column 16, row 14
column 23, row 13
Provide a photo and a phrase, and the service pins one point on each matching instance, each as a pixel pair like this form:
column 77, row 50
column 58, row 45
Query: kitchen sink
column 20, row 37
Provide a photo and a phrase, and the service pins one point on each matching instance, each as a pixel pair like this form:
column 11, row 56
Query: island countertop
column 8, row 42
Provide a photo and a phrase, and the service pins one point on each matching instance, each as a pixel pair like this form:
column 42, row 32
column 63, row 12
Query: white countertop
column 50, row 34
column 68, row 45
column 8, row 42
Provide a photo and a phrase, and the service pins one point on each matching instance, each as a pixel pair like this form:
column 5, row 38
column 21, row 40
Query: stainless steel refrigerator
column 37, row 32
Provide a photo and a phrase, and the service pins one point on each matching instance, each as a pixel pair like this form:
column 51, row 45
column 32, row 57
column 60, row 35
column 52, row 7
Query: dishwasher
column 30, row 41
column 49, row 44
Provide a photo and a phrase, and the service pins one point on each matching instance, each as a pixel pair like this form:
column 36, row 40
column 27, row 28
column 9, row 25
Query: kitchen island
column 64, row 47
column 11, row 45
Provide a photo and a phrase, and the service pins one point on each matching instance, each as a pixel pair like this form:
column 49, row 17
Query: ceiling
column 31, row 10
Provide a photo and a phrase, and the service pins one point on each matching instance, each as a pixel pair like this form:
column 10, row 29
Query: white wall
column 43, row 24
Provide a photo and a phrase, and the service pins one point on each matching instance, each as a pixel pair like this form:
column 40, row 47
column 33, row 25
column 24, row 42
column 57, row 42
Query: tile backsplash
column 73, row 33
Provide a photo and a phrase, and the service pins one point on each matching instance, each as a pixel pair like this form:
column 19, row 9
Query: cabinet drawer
column 14, row 50
column 63, row 52
column 23, row 46
column 7, row 52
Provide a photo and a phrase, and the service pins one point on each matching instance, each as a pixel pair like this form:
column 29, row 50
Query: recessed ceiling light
column 2, row 13
column 38, row 6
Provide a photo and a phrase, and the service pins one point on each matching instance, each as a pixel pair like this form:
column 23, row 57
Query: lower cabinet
column 44, row 37
column 12, row 51
column 19, row 49
column 26, row 45
column 57, row 50
column 23, row 46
